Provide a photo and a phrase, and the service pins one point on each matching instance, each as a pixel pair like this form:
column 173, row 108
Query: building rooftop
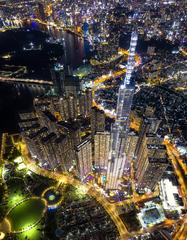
column 158, row 160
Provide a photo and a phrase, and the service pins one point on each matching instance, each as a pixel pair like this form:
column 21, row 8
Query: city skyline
column 93, row 108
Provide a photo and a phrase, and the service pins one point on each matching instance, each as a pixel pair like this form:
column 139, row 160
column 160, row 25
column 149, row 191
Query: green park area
column 16, row 191
column 72, row 193
column 21, row 213
column 26, row 214
column 32, row 234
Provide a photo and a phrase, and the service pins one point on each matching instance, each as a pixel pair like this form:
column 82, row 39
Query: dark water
column 73, row 50
column 39, row 61
column 14, row 97
column 10, row 104
column 76, row 49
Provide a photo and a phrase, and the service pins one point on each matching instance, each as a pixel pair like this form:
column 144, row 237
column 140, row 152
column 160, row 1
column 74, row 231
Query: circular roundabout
column 52, row 196
column 26, row 214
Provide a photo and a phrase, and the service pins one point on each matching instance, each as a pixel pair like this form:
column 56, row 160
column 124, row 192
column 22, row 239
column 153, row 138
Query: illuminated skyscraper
column 68, row 107
column 72, row 129
column 97, row 120
column 65, row 108
column 85, row 103
column 72, row 106
column 51, row 149
column 101, row 149
column 84, row 158
column 117, row 159
column 150, row 125
column 130, row 146
column 45, row 118
column 151, row 164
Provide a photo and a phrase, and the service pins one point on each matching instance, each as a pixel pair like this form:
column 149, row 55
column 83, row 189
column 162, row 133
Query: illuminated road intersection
column 32, row 193
column 23, row 212
column 84, row 189
column 52, row 197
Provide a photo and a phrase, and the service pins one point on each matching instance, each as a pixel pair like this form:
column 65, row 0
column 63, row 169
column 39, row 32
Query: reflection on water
column 17, row 97
column 76, row 48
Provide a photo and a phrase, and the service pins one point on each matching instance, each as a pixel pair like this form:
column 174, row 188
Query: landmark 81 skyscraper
column 117, row 163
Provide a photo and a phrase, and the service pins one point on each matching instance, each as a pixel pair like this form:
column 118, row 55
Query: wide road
column 111, row 208
column 89, row 189
column 178, row 167
column 180, row 172
column 111, row 75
